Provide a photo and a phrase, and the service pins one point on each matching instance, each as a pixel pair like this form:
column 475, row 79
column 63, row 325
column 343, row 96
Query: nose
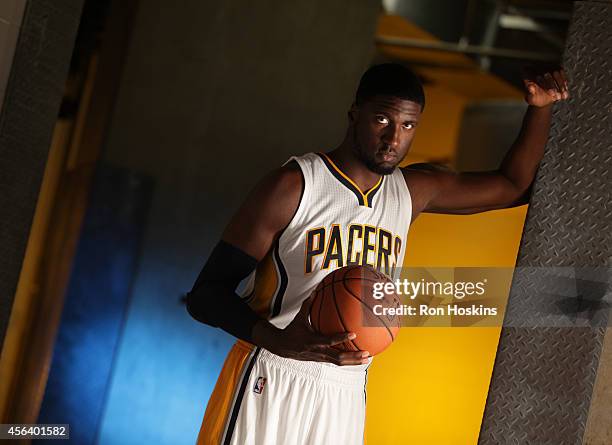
column 391, row 136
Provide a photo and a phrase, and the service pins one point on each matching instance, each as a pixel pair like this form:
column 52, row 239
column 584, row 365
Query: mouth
column 386, row 156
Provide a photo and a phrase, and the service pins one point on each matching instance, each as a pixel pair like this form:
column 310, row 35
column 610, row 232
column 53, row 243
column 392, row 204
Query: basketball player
column 282, row 383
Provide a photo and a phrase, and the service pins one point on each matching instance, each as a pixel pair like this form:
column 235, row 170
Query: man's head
column 387, row 107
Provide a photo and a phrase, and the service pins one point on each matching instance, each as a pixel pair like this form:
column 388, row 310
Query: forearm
column 521, row 162
column 213, row 299
column 216, row 305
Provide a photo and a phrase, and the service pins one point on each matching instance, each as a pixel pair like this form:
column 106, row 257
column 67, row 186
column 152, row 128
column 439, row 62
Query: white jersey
column 335, row 225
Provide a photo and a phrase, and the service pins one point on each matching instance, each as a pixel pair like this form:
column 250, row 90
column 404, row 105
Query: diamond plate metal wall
column 549, row 348
column 29, row 112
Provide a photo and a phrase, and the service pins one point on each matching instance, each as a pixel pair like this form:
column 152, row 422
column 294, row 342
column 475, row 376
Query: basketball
column 344, row 302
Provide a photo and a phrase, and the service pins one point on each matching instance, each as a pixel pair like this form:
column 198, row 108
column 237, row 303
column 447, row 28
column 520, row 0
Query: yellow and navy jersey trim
column 284, row 279
column 364, row 199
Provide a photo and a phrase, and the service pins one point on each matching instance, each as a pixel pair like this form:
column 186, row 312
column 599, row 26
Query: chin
column 382, row 168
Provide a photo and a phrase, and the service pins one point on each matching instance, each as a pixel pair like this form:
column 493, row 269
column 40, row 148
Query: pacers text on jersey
column 357, row 244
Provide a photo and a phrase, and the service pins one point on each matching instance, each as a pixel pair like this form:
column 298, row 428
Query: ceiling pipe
column 451, row 47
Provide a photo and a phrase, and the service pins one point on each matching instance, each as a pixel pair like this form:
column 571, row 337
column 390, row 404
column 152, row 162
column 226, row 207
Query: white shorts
column 263, row 399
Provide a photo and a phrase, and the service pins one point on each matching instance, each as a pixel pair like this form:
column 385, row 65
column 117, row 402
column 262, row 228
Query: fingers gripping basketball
column 344, row 302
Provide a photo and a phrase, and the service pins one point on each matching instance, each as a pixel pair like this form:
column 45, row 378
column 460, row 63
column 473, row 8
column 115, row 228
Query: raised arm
column 437, row 190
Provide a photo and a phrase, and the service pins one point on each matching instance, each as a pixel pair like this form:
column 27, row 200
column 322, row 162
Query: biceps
column 252, row 229
column 266, row 212
column 463, row 191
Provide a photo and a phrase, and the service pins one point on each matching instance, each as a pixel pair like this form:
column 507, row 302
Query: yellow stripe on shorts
column 223, row 398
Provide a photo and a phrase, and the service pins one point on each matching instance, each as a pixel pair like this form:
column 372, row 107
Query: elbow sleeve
column 213, row 299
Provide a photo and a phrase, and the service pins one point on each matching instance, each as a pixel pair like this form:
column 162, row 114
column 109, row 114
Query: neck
column 346, row 160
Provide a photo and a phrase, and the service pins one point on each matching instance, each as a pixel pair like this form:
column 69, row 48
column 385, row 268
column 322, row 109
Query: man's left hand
column 545, row 88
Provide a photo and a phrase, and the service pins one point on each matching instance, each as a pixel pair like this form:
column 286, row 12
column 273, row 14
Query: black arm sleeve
column 213, row 299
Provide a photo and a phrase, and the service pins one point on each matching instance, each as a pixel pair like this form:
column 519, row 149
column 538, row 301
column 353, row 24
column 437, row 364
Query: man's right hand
column 299, row 341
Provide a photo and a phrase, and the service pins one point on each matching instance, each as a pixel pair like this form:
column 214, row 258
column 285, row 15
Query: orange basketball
column 344, row 302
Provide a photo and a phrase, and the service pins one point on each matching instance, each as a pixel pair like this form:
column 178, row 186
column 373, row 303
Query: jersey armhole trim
column 303, row 196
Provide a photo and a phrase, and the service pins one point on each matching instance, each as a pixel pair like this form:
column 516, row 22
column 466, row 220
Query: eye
column 382, row 119
column 408, row 126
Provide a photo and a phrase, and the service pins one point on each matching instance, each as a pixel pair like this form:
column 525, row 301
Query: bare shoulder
column 278, row 193
column 425, row 169
column 423, row 173
column 421, row 179
column 287, row 178
column 267, row 210
column 281, row 189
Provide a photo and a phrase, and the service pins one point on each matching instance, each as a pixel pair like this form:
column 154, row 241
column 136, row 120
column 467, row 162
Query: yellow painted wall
column 431, row 386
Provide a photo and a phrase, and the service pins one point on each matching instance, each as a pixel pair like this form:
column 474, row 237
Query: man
column 283, row 383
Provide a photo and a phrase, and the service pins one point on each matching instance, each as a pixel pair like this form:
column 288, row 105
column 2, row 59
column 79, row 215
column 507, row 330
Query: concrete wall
column 215, row 94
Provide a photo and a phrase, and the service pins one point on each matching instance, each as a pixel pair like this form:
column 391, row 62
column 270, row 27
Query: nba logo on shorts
column 259, row 385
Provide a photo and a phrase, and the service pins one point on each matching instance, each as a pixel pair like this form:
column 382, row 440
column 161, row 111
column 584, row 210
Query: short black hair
column 390, row 79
